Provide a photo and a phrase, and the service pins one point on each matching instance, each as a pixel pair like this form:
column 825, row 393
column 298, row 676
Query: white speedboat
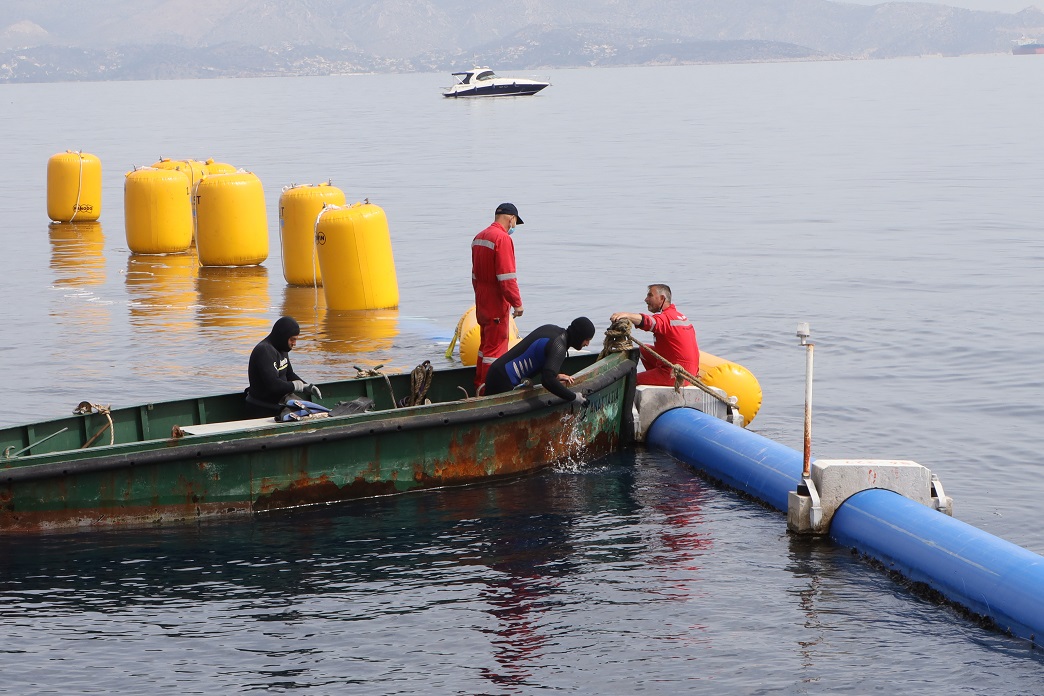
column 483, row 82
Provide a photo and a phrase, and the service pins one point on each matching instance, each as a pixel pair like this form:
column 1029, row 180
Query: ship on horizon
column 1027, row 47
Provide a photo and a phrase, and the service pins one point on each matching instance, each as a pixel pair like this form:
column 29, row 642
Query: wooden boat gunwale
column 275, row 435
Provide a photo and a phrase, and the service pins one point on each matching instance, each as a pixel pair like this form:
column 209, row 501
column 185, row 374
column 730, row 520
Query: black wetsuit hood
column 282, row 331
column 582, row 329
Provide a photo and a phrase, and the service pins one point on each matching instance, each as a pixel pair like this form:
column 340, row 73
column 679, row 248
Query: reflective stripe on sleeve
column 506, row 276
column 483, row 243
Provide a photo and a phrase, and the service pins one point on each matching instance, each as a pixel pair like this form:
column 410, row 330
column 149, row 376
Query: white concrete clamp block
column 651, row 402
column 833, row 481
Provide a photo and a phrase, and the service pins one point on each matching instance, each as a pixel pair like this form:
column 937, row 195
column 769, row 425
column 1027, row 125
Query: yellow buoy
column 157, row 211
column 213, row 167
column 231, row 221
column 194, row 169
column 74, row 187
column 470, row 335
column 355, row 257
column 299, row 206
column 734, row 380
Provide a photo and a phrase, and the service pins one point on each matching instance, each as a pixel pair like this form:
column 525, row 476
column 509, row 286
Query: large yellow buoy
column 74, row 187
column 157, row 211
column 231, row 221
column 734, row 380
column 299, row 206
column 194, row 169
column 470, row 335
column 355, row 257
column 213, row 167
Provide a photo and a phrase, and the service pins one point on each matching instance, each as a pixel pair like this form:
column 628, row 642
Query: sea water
column 893, row 205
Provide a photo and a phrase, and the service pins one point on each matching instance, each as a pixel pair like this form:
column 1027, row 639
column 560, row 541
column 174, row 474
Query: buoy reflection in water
column 77, row 253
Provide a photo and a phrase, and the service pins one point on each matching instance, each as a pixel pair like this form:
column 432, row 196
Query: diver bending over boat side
column 272, row 377
column 541, row 352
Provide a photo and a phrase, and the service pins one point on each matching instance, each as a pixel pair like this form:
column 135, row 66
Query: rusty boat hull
column 193, row 459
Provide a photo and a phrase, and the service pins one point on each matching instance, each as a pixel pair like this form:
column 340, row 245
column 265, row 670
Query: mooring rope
column 376, row 372
column 86, row 407
column 618, row 338
column 79, row 186
column 315, row 248
column 420, row 382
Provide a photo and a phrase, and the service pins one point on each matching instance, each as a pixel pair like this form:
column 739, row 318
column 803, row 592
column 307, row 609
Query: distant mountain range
column 55, row 40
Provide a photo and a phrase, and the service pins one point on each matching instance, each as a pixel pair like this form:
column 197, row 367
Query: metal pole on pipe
column 803, row 334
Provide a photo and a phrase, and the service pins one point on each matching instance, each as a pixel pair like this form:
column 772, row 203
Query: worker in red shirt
column 674, row 337
column 493, row 276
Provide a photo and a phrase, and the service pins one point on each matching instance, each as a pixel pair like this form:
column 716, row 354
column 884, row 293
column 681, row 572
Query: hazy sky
column 994, row 5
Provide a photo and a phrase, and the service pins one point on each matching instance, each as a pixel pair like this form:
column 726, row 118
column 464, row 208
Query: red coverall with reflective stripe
column 674, row 339
column 496, row 292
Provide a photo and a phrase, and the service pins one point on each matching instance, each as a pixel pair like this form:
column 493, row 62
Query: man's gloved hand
column 313, row 392
column 298, row 386
column 582, row 401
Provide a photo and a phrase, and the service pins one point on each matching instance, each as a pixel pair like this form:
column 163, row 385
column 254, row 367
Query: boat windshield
column 485, row 75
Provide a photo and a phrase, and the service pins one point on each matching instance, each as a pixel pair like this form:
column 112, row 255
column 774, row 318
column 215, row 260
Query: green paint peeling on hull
column 257, row 466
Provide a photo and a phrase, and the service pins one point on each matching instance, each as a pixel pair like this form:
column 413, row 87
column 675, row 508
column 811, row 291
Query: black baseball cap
column 508, row 209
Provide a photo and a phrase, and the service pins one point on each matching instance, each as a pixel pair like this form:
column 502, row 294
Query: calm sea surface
column 894, row 205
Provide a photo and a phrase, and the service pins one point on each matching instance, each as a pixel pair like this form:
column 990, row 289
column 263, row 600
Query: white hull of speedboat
column 482, row 82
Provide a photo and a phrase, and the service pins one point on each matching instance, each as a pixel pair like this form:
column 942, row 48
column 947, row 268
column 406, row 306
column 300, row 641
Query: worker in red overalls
column 674, row 337
column 497, row 298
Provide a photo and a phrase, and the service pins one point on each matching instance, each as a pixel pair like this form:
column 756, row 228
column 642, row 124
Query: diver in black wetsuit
column 543, row 352
column 272, row 377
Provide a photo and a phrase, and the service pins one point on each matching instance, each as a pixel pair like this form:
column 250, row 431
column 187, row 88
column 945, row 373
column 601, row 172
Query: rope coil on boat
column 85, row 408
column 618, row 338
column 420, row 382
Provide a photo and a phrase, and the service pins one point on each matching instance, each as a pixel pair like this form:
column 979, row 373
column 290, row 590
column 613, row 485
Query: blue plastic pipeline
column 990, row 576
column 984, row 573
column 739, row 458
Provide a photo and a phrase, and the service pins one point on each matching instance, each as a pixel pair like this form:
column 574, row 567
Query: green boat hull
column 170, row 462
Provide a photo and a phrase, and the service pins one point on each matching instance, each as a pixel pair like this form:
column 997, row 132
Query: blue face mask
column 511, row 231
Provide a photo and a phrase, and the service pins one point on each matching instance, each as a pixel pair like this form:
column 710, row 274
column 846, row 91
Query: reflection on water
column 368, row 335
column 77, row 253
column 162, row 291
column 524, row 538
column 235, row 300
column 358, row 331
column 305, row 304
column 78, row 262
column 807, row 564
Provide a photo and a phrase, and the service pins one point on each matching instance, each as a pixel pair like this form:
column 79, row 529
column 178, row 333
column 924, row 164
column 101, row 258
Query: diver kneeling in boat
column 272, row 377
column 541, row 352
